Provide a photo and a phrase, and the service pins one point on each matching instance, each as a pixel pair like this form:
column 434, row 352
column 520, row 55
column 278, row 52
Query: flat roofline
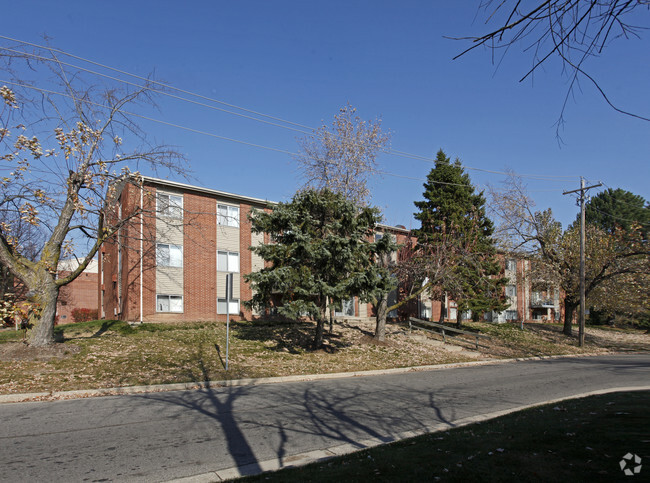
column 234, row 196
column 394, row 228
column 189, row 187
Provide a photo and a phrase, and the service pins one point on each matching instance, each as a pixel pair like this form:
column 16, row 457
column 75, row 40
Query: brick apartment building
column 170, row 262
column 81, row 293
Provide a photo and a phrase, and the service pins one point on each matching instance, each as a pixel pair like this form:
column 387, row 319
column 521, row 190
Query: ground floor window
column 345, row 307
column 221, row 306
column 169, row 303
column 511, row 315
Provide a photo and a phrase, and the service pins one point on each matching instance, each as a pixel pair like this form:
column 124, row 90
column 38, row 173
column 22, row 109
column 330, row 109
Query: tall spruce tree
column 618, row 208
column 451, row 206
column 321, row 248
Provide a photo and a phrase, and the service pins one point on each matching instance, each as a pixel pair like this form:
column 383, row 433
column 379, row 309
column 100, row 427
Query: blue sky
column 302, row 61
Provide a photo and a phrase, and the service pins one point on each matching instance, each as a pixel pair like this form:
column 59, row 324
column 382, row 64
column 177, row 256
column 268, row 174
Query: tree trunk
column 380, row 328
column 331, row 315
column 320, row 326
column 42, row 321
column 443, row 309
column 569, row 309
column 459, row 315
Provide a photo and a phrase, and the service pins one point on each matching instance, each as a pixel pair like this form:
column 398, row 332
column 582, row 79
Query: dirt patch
column 20, row 351
column 366, row 339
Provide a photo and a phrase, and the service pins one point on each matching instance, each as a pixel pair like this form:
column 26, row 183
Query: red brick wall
column 81, row 293
column 199, row 257
column 245, row 258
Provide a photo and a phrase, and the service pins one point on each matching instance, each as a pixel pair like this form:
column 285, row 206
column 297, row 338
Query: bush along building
column 170, row 262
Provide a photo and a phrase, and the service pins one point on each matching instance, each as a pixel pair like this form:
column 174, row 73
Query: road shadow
column 220, row 407
column 305, row 416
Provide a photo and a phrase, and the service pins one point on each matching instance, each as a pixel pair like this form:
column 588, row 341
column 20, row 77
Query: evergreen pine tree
column 321, row 248
column 614, row 208
column 451, row 206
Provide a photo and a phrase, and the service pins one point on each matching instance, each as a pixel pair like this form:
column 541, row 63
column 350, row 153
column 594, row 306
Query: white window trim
column 169, row 245
column 228, row 255
column 221, row 304
column 231, row 218
column 165, row 210
column 169, row 302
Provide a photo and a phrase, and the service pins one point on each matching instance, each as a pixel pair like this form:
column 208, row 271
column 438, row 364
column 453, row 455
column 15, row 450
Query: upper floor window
column 511, row 290
column 227, row 261
column 511, row 265
column 170, row 205
column 228, row 215
column 169, row 255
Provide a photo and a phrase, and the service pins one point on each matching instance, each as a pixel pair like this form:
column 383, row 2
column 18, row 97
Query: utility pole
column 583, row 188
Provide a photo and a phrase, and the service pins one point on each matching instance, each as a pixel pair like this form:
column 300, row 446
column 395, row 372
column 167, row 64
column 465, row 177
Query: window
column 169, row 255
column 169, row 303
column 228, row 215
column 170, row 205
column 234, row 306
column 379, row 236
column 227, row 261
column 511, row 290
column 511, row 315
column 511, row 265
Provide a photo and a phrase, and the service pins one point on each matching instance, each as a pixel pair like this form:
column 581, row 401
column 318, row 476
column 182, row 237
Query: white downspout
column 141, row 243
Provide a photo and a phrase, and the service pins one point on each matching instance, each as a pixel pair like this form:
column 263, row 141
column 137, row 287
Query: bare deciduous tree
column 63, row 160
column 572, row 30
column 342, row 157
column 609, row 257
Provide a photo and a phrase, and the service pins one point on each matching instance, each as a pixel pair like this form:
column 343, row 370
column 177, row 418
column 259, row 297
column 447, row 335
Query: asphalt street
column 162, row 436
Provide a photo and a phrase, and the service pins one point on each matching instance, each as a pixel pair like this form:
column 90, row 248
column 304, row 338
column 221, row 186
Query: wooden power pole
column 582, row 190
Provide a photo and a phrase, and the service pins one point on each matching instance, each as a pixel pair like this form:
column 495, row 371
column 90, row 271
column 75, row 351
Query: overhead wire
column 238, row 141
column 170, row 124
column 169, row 86
column 618, row 217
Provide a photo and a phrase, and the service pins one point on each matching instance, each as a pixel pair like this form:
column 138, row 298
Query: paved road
column 161, row 436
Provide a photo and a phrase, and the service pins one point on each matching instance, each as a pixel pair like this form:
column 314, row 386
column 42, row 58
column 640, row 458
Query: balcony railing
column 541, row 302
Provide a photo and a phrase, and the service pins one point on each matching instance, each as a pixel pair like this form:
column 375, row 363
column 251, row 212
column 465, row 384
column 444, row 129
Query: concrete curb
column 321, row 455
column 184, row 386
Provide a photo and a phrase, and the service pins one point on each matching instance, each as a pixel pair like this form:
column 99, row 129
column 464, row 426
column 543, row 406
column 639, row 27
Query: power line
column 162, row 84
column 141, row 87
column 178, row 126
column 169, row 86
column 618, row 200
column 591, row 207
column 225, row 138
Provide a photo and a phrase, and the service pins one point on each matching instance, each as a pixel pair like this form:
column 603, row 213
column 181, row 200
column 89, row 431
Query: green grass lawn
column 576, row 440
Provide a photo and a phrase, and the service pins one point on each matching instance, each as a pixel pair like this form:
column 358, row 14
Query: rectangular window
column 169, row 303
column 169, row 255
column 511, row 315
column 170, row 205
column 234, row 306
column 227, row 261
column 228, row 215
column 511, row 265
column 511, row 290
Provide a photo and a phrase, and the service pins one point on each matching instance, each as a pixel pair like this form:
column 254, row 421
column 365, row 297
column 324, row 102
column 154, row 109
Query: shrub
column 84, row 315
